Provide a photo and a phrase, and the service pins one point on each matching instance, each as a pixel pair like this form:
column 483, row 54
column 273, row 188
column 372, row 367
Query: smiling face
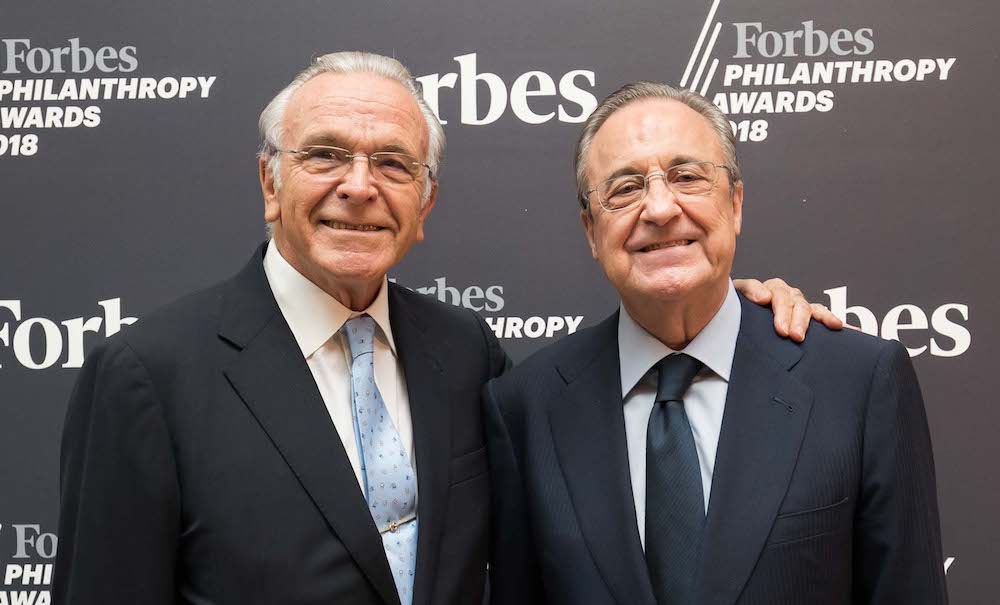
column 345, row 233
column 665, row 248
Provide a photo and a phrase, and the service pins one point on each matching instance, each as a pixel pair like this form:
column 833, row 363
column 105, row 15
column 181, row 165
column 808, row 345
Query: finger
column 821, row 314
column 801, row 314
column 776, row 285
column 782, row 306
column 753, row 290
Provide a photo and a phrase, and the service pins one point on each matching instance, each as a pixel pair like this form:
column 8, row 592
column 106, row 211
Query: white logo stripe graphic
column 708, row 78
column 701, row 38
column 704, row 58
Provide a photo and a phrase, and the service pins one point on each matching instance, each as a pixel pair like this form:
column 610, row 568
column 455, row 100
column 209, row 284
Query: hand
column 791, row 309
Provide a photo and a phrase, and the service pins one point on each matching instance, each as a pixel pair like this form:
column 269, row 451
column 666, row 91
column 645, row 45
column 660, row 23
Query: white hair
column 272, row 118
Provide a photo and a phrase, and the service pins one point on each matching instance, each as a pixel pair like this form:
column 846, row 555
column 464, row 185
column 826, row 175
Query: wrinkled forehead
column 660, row 131
column 353, row 109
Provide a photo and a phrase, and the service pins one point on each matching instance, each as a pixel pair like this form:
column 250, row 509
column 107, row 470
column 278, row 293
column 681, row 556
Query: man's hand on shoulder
column 792, row 311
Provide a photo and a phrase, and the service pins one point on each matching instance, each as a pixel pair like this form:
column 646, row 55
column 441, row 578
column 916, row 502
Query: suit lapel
column 765, row 420
column 274, row 381
column 426, row 387
column 588, row 428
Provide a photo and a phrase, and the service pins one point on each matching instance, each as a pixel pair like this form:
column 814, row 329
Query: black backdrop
column 875, row 198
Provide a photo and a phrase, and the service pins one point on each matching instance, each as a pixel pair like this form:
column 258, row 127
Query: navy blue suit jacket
column 823, row 490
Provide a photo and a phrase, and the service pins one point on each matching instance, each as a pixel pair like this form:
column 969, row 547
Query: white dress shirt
column 704, row 402
column 315, row 319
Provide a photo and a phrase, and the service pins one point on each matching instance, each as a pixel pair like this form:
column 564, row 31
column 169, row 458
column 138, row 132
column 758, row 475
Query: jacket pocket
column 801, row 525
column 467, row 466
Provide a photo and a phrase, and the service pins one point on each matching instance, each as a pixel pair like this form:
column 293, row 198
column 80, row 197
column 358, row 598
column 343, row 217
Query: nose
column 358, row 185
column 660, row 204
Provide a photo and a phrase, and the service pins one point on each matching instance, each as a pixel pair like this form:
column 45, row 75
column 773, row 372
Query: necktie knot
column 360, row 332
column 676, row 372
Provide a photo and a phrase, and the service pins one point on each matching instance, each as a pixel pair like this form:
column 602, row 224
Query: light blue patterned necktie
column 390, row 486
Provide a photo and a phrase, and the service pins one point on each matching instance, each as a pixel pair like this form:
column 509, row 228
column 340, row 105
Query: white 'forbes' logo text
column 54, row 340
column 20, row 57
column 534, row 97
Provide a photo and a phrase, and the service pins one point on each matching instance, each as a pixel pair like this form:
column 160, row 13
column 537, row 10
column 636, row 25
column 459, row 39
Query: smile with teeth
column 336, row 225
column 673, row 244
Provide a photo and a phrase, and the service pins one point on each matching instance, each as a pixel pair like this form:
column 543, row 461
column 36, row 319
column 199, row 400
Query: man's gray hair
column 638, row 91
column 272, row 118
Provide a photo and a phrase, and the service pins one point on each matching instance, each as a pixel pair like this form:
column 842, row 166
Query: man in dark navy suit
column 680, row 452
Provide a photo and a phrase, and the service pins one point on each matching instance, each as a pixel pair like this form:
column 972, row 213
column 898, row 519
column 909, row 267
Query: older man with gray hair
column 680, row 452
column 306, row 431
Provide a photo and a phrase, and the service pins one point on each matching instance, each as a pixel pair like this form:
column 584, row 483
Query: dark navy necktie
column 675, row 503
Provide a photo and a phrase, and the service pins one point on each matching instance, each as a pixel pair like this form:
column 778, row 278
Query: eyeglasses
column 684, row 180
column 387, row 166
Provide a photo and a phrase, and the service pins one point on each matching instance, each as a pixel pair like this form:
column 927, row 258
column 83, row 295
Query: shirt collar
column 714, row 346
column 312, row 314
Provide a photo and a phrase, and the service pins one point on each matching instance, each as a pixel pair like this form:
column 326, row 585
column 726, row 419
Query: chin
column 357, row 274
column 671, row 285
column 355, row 266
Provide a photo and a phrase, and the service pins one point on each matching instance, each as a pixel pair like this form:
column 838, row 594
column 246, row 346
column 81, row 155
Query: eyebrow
column 322, row 139
column 333, row 141
column 398, row 148
column 632, row 169
column 684, row 159
column 623, row 171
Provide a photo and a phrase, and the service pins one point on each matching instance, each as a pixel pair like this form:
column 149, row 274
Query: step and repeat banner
column 867, row 129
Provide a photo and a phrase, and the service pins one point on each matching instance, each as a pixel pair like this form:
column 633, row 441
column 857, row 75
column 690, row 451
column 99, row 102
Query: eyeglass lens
column 333, row 161
column 691, row 179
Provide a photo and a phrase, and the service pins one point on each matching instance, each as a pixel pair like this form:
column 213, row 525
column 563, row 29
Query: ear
column 425, row 210
column 588, row 228
column 738, row 207
column 272, row 209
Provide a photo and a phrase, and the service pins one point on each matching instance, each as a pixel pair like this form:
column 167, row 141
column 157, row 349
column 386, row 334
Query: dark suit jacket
column 823, row 489
column 200, row 464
